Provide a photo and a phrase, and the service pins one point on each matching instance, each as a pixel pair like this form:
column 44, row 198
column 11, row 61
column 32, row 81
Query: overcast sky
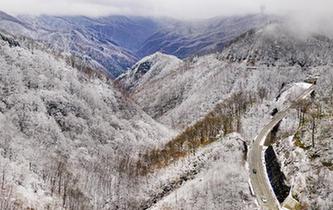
column 188, row 9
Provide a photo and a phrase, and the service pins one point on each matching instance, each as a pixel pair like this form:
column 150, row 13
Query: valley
column 129, row 112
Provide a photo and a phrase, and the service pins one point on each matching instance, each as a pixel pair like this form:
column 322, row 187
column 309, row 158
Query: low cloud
column 306, row 14
column 173, row 8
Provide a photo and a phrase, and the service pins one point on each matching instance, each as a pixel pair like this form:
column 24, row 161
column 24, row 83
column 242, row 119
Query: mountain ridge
column 177, row 134
column 118, row 42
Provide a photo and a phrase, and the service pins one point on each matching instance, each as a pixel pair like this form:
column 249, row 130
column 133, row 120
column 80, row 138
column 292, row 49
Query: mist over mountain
column 257, row 73
column 123, row 112
column 115, row 43
column 152, row 82
column 197, row 38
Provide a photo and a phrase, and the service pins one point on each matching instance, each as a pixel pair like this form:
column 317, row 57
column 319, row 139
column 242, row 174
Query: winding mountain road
column 258, row 175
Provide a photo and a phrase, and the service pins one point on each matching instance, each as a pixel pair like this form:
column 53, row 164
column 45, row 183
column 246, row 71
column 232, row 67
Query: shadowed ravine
column 276, row 176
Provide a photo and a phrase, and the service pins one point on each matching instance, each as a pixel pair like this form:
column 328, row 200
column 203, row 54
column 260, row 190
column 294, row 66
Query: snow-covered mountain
column 169, row 133
column 13, row 25
column 197, row 84
column 78, row 36
column 65, row 135
column 107, row 41
column 263, row 64
column 185, row 39
column 149, row 69
column 118, row 42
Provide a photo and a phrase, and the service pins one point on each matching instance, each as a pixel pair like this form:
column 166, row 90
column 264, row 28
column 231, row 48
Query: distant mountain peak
column 7, row 17
column 157, row 56
column 118, row 42
column 277, row 44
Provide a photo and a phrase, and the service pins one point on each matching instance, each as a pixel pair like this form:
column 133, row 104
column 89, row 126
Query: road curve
column 258, row 176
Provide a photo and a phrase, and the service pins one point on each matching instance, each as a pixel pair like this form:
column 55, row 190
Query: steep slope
column 75, row 35
column 70, row 140
column 278, row 45
column 80, row 36
column 194, row 167
column 66, row 138
column 149, row 69
column 144, row 36
column 128, row 32
column 249, row 63
column 5, row 17
column 266, row 63
column 184, row 39
column 306, row 156
column 11, row 24
column 117, row 42
column 215, row 177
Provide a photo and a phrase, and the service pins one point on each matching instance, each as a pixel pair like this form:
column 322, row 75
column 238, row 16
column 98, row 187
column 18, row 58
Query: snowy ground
column 220, row 183
column 63, row 133
column 67, row 136
column 309, row 170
